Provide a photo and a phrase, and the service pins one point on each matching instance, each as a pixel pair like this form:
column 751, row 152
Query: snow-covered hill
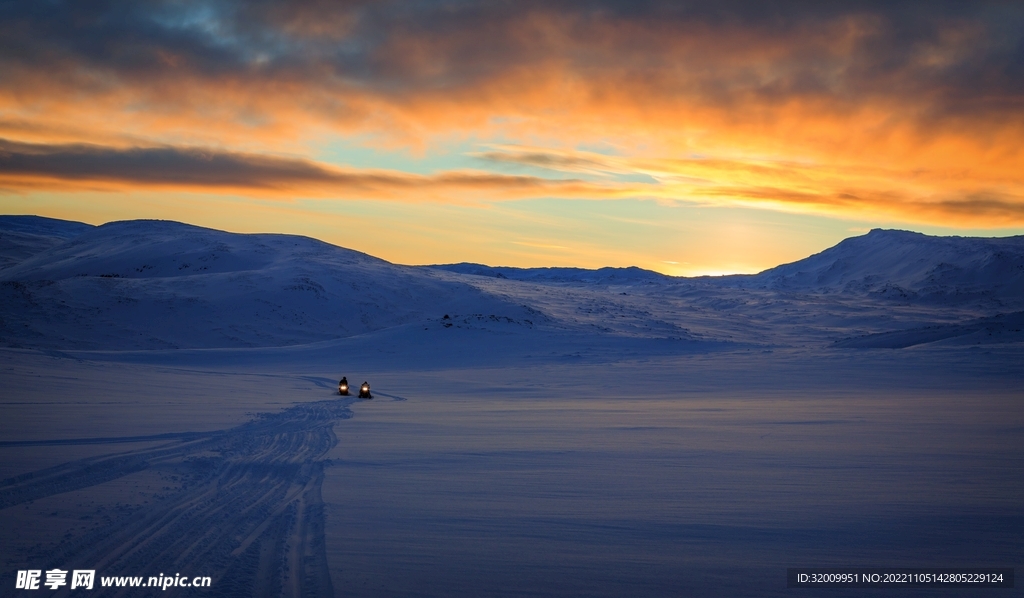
column 631, row 275
column 908, row 266
column 1003, row 327
column 164, row 285
column 156, row 284
column 24, row 236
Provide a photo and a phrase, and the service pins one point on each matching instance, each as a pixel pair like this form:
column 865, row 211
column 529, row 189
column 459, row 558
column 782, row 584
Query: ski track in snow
column 889, row 315
column 249, row 512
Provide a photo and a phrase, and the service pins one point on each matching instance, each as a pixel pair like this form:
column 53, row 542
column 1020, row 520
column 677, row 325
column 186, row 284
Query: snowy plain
column 170, row 405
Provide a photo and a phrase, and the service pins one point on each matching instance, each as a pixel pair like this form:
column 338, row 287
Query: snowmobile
column 343, row 387
column 364, row 391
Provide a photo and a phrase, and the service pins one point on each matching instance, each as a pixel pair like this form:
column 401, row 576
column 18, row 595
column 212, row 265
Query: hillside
column 902, row 265
column 609, row 276
column 24, row 236
column 165, row 285
column 158, row 285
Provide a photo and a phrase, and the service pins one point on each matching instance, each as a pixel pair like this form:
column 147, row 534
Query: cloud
column 783, row 186
column 933, row 196
column 914, row 109
column 406, row 65
column 35, row 166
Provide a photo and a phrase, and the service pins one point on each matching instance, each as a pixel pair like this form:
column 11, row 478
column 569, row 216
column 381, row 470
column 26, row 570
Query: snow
column 131, row 285
column 24, row 236
column 600, row 275
column 902, row 265
column 545, row 432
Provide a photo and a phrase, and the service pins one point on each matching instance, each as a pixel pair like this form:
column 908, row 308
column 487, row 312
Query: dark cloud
column 543, row 160
column 158, row 165
column 957, row 54
column 24, row 164
column 996, row 207
column 774, row 101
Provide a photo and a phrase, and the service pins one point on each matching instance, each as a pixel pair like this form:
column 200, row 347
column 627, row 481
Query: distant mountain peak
column 607, row 275
column 41, row 225
column 922, row 267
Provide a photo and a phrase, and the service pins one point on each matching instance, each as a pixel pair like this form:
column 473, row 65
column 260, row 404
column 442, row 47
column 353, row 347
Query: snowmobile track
column 248, row 513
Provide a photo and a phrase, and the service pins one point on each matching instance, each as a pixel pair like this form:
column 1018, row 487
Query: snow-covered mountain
column 904, row 265
column 24, row 236
column 162, row 285
column 156, row 284
column 629, row 275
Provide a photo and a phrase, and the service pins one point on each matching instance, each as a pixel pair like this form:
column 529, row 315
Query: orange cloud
column 936, row 195
column 98, row 168
column 913, row 112
column 756, row 183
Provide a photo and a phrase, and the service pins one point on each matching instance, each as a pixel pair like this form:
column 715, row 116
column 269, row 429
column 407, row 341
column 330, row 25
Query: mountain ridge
column 164, row 285
column 606, row 275
column 24, row 236
column 905, row 265
column 823, row 268
column 153, row 284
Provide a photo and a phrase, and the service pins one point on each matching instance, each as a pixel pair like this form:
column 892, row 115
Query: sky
column 684, row 137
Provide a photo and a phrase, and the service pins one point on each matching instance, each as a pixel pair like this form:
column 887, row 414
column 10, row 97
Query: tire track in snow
column 249, row 512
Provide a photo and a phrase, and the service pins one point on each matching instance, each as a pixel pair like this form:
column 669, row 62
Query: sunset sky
column 687, row 138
